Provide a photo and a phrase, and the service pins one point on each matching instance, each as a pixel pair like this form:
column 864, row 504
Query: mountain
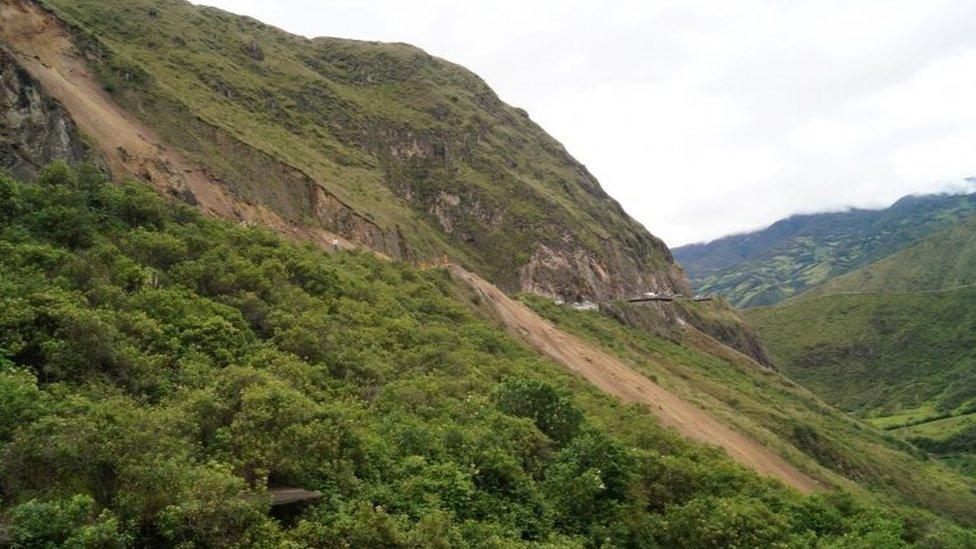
column 942, row 261
column 315, row 304
column 893, row 341
column 800, row 252
column 165, row 374
column 382, row 144
column 328, row 140
column 895, row 335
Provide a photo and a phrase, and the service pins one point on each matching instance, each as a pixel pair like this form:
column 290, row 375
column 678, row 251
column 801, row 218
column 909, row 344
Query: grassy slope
column 772, row 409
column 159, row 369
column 893, row 341
column 877, row 354
column 387, row 128
column 765, row 267
column 944, row 261
column 891, row 337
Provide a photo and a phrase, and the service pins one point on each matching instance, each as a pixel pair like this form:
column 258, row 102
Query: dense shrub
column 159, row 371
column 72, row 522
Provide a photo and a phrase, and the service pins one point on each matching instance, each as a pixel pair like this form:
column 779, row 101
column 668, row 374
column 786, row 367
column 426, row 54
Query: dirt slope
column 43, row 47
column 616, row 378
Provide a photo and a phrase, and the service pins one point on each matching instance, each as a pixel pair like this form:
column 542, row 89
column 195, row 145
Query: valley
column 891, row 341
column 238, row 262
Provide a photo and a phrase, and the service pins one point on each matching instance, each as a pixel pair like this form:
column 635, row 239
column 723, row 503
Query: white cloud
column 947, row 157
column 938, row 96
column 707, row 117
column 827, row 136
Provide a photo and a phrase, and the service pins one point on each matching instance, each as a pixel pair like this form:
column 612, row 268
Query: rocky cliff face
column 574, row 273
column 670, row 320
column 380, row 144
column 34, row 128
column 561, row 258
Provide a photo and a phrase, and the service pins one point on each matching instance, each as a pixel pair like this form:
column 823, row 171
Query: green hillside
column 877, row 354
column 419, row 154
column 168, row 366
column 160, row 371
column 944, row 261
column 894, row 341
column 765, row 267
column 765, row 404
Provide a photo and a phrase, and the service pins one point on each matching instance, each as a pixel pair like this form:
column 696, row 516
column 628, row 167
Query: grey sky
column 710, row 117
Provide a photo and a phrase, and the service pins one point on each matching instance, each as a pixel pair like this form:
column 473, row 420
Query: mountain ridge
column 538, row 236
column 435, row 164
column 892, row 335
column 799, row 252
column 131, row 148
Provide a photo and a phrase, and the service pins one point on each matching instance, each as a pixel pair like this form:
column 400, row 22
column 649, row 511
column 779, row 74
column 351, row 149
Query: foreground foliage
column 160, row 371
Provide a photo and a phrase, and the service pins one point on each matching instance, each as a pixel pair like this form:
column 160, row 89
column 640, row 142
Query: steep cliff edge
column 382, row 144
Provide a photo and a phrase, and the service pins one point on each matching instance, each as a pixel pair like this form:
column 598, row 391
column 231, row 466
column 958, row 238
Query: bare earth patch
column 616, row 378
column 43, row 47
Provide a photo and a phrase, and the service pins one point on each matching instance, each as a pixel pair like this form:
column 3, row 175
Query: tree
column 73, row 522
column 553, row 413
column 21, row 401
column 720, row 523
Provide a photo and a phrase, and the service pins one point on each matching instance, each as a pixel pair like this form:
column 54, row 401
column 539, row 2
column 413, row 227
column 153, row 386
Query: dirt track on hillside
column 43, row 47
column 616, row 378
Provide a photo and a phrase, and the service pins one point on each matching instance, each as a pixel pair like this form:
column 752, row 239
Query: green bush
column 724, row 523
column 551, row 412
column 73, row 522
column 172, row 368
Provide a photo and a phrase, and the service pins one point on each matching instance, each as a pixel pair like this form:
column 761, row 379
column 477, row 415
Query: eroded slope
column 615, row 377
column 381, row 143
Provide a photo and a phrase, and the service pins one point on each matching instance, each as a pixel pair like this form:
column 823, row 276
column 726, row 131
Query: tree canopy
column 159, row 371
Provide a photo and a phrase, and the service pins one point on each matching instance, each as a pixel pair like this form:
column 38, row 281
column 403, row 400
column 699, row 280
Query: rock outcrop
column 574, row 273
column 382, row 145
column 34, row 128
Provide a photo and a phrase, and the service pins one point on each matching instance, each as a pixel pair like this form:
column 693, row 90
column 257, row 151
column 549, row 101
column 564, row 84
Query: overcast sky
column 709, row 117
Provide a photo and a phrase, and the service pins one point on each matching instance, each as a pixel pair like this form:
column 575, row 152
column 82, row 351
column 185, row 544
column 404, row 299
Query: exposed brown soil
column 616, row 378
column 43, row 47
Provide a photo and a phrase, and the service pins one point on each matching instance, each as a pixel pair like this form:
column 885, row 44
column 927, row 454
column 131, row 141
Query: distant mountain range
column 873, row 310
column 764, row 267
